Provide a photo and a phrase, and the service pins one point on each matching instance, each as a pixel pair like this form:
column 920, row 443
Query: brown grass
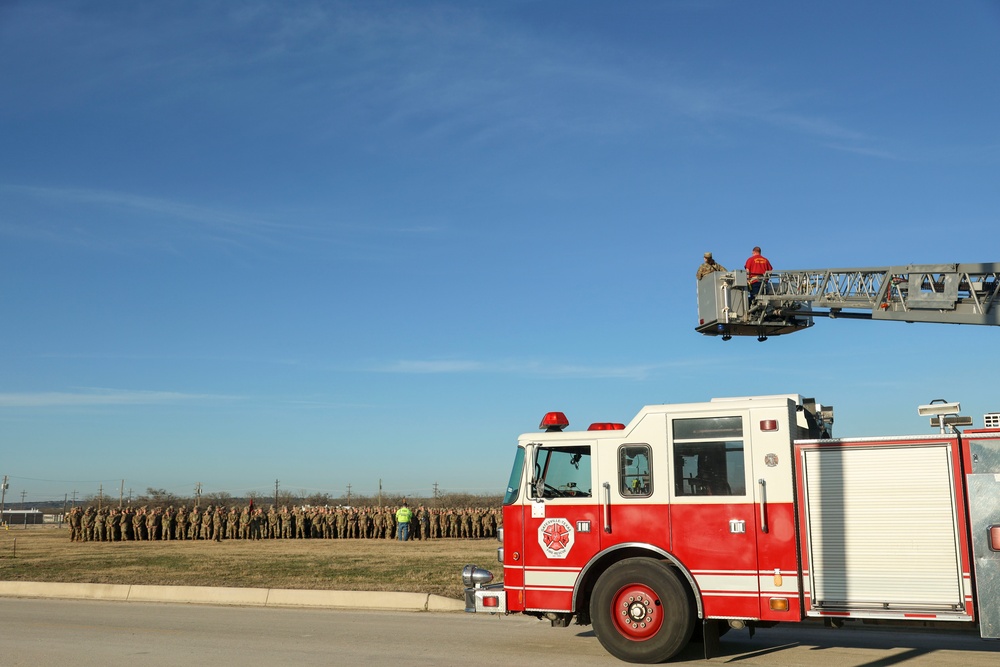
column 45, row 553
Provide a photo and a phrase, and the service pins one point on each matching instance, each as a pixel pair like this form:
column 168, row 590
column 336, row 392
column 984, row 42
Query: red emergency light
column 554, row 421
column 606, row 426
column 491, row 601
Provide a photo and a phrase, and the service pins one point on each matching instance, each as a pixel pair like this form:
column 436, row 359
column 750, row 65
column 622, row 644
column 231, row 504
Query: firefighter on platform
column 757, row 268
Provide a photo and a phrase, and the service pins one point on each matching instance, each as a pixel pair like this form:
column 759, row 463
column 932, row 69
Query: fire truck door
column 771, row 468
column 712, row 512
column 562, row 523
column 984, row 510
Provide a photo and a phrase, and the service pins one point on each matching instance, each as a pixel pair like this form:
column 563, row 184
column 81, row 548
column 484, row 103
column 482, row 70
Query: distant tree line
column 161, row 498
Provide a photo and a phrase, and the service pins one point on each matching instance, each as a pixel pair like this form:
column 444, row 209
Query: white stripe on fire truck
column 734, row 581
column 565, row 578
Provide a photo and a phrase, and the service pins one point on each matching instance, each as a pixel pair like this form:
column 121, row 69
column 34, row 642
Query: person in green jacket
column 403, row 516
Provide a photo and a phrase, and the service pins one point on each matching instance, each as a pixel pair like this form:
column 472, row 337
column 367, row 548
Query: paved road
column 40, row 633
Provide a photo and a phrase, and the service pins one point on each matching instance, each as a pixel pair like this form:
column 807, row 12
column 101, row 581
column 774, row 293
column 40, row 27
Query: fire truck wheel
column 641, row 611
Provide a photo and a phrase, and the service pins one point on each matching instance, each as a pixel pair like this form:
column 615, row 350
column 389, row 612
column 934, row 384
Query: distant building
column 21, row 517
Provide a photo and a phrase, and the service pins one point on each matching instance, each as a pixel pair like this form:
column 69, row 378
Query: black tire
column 641, row 611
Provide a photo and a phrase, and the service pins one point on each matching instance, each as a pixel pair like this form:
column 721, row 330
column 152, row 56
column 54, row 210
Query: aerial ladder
column 788, row 300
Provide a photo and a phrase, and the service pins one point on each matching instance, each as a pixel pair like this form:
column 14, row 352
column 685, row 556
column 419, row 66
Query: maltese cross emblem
column 556, row 537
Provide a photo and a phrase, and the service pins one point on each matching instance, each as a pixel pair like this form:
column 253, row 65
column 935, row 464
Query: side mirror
column 537, row 485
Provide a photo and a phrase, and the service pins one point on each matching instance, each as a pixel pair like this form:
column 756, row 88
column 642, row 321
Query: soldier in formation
column 218, row 523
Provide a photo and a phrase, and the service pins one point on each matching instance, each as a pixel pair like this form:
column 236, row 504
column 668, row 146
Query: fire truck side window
column 714, row 465
column 634, row 470
column 565, row 472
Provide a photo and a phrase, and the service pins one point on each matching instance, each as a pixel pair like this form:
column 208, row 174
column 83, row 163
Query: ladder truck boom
column 790, row 299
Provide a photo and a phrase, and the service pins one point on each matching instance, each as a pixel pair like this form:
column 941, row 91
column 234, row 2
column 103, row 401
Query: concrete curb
column 243, row 597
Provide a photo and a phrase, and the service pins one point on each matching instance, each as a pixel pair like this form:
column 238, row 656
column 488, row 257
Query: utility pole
column 436, row 494
column 275, row 494
column 380, row 493
column 348, row 495
column 3, row 497
column 121, row 494
column 197, row 493
column 100, row 495
column 74, row 497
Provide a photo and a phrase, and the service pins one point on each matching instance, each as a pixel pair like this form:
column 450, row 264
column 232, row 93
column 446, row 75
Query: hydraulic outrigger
column 790, row 299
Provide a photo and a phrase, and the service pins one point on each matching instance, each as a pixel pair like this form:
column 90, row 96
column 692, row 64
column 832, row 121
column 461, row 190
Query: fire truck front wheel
column 641, row 611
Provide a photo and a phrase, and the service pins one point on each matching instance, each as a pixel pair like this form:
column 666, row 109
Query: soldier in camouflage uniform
column 475, row 524
column 232, row 524
column 194, row 523
column 218, row 524
column 341, row 522
column 75, row 525
column 257, row 524
column 382, row 524
column 315, row 520
column 423, row 524
column 154, row 521
column 181, row 524
column 272, row 523
column 352, row 523
column 435, row 524
column 125, row 524
column 168, row 521
column 489, row 523
column 136, row 523
column 390, row 523
column 245, row 523
column 89, row 523
column 114, row 520
column 207, row 519
column 285, row 519
column 101, row 526
column 328, row 523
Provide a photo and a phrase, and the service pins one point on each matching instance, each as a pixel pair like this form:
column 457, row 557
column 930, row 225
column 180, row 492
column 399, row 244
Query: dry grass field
column 44, row 553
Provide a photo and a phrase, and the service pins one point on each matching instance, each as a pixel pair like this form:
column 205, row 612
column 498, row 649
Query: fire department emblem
column 556, row 537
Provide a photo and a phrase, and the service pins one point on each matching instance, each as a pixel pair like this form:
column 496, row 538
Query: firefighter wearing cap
column 708, row 266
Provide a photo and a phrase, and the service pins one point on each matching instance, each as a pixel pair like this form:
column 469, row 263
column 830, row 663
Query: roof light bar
column 554, row 421
column 606, row 426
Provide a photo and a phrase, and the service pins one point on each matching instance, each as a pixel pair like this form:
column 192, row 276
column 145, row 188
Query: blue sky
column 330, row 243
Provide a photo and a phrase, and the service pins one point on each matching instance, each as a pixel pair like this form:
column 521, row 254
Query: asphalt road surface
column 40, row 633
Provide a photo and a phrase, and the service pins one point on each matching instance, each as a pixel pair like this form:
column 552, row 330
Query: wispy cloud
column 531, row 368
column 114, row 220
column 103, row 397
column 417, row 74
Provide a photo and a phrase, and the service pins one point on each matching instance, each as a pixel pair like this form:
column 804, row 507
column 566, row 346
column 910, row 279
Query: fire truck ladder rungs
column 948, row 293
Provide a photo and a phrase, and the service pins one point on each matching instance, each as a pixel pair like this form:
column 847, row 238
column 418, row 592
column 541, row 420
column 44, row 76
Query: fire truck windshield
column 514, row 483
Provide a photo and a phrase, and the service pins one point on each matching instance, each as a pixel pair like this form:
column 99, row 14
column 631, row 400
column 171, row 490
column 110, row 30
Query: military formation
column 126, row 524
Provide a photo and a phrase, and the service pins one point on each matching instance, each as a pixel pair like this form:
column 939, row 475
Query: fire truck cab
column 744, row 512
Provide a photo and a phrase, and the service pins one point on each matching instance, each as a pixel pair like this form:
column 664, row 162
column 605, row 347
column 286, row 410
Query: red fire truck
column 742, row 513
